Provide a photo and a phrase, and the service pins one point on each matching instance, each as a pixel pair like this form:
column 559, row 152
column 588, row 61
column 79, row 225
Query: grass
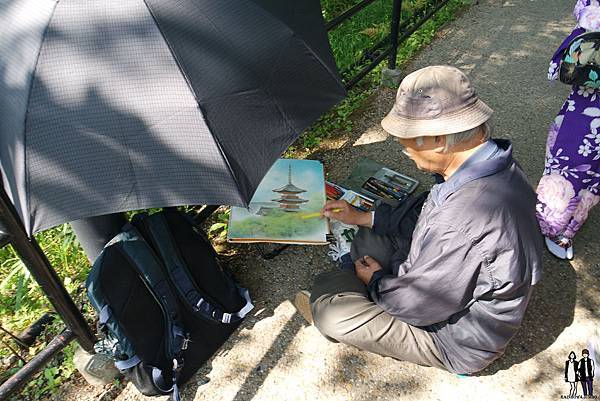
column 21, row 299
column 22, row 303
column 360, row 32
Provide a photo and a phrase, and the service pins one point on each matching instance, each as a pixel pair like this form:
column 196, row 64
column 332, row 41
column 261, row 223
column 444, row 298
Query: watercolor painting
column 283, row 207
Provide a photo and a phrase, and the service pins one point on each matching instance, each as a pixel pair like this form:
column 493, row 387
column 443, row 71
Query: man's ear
column 439, row 144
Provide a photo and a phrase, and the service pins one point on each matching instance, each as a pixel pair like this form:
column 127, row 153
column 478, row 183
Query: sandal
column 555, row 249
column 561, row 247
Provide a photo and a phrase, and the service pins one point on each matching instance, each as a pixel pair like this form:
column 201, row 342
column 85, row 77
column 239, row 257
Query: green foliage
column 333, row 8
column 337, row 120
column 358, row 33
column 22, row 302
column 218, row 230
column 20, row 293
column 362, row 31
column 49, row 380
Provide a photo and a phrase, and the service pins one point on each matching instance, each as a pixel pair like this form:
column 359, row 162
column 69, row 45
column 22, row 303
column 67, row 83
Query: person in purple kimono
column 570, row 186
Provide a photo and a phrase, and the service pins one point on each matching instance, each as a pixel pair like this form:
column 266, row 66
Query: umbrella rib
column 191, row 88
column 295, row 34
column 27, row 213
column 315, row 55
column 172, row 51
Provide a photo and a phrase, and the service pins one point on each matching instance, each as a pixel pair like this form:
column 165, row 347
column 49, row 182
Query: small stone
column 391, row 78
column 96, row 369
column 9, row 361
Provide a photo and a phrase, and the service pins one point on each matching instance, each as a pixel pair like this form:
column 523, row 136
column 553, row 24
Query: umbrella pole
column 36, row 261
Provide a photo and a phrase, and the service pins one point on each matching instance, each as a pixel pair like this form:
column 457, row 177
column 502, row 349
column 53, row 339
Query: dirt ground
column 275, row 355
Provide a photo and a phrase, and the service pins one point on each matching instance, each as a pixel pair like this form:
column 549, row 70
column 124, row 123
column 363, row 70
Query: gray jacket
column 475, row 253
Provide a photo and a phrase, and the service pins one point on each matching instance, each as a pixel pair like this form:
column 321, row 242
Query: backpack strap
column 234, row 317
column 157, row 227
column 98, row 299
column 159, row 381
column 148, row 266
column 128, row 363
column 141, row 257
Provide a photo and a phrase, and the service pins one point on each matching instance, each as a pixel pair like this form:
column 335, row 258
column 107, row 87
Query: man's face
column 428, row 155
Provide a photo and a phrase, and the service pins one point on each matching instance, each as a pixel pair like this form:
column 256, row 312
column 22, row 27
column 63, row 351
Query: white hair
column 460, row 137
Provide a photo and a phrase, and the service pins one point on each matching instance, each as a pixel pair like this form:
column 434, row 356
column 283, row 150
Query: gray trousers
column 343, row 312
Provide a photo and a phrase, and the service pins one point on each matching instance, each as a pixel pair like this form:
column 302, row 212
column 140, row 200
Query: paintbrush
column 318, row 214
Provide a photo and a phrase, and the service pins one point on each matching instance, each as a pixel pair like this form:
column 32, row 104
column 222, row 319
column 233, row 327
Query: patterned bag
column 580, row 64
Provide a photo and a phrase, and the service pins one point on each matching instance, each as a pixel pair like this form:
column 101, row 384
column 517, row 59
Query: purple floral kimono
column 570, row 186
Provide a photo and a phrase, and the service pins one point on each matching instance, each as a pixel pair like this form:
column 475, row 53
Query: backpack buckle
column 186, row 341
column 177, row 366
column 226, row 318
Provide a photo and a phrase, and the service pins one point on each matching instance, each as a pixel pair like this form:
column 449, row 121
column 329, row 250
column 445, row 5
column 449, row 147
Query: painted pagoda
column 290, row 200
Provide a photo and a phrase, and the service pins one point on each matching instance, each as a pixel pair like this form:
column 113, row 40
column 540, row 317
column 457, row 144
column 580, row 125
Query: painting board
column 292, row 190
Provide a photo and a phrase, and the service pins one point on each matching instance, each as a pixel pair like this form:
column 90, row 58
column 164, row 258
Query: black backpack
column 165, row 304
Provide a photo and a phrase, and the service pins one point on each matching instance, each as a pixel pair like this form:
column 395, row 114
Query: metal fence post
column 394, row 31
column 36, row 261
column 390, row 76
column 22, row 377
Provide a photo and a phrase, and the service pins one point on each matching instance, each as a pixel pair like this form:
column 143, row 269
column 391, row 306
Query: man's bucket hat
column 436, row 100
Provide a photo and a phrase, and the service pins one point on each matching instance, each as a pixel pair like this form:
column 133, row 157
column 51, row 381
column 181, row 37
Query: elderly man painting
column 451, row 290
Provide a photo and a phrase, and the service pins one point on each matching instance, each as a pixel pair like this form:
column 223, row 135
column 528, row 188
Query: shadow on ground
column 550, row 310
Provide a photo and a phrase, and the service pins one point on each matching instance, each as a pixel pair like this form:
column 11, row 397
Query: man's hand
column 342, row 211
column 365, row 267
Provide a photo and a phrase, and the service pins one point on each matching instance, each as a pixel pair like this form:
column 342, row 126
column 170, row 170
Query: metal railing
column 387, row 47
column 13, row 232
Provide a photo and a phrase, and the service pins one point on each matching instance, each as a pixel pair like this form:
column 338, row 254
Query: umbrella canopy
column 115, row 105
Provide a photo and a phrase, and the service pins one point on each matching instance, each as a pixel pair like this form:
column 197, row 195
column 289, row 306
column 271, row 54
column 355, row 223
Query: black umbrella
column 117, row 105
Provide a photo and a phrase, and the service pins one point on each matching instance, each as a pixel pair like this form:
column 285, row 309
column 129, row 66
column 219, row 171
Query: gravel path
column 504, row 46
